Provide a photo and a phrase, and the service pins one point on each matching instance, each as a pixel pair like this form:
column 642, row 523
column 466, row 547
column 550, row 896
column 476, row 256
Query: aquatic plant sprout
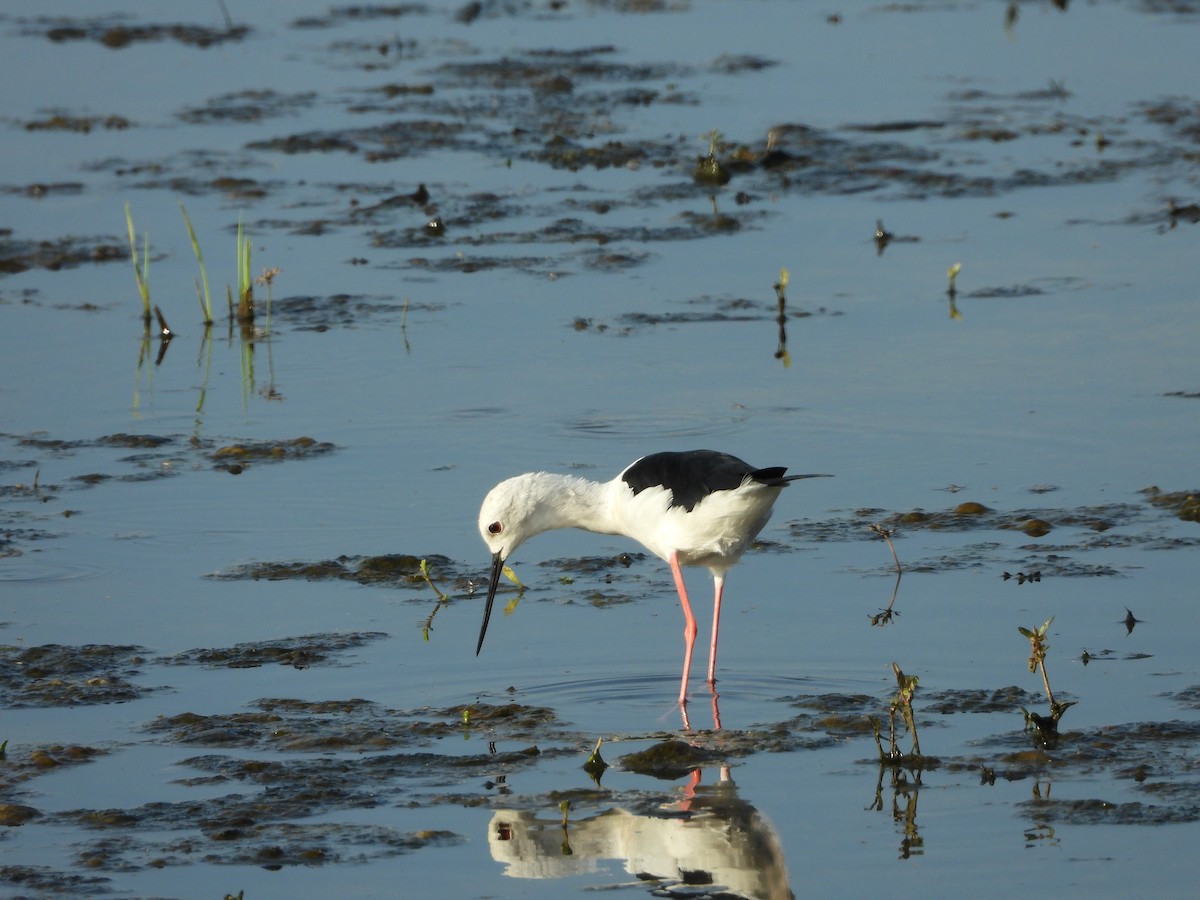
column 204, row 298
column 141, row 272
column 245, row 281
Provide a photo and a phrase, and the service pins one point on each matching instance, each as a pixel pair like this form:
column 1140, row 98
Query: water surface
column 589, row 302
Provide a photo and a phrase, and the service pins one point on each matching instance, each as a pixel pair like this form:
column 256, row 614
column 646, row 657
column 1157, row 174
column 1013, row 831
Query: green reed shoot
column 205, row 298
column 245, row 280
column 442, row 597
column 141, row 271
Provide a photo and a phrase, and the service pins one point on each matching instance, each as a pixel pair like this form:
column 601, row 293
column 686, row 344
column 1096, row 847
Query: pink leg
column 719, row 581
column 689, row 626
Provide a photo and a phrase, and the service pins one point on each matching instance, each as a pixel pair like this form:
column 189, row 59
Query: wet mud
column 116, row 35
column 300, row 652
column 1069, row 533
column 19, row 254
column 392, row 570
column 53, row 675
column 564, row 109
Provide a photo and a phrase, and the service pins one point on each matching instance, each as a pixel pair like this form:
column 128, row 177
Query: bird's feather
column 692, row 476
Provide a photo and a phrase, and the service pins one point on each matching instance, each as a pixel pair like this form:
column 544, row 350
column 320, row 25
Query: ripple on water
column 44, row 571
column 627, row 703
column 659, row 426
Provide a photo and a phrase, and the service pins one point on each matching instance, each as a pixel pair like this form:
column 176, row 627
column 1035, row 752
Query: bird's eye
column 495, row 528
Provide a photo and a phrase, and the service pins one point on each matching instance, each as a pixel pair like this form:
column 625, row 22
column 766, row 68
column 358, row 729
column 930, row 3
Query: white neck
column 567, row 501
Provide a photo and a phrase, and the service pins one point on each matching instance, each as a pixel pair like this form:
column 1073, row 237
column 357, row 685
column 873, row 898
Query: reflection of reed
column 712, row 838
column 248, row 336
column 904, row 813
column 206, row 343
column 885, row 616
column 247, row 360
column 143, row 354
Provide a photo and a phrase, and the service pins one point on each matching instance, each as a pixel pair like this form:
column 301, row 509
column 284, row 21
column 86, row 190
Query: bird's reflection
column 710, row 838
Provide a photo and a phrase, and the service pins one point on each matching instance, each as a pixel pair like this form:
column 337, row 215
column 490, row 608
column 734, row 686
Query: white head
column 514, row 511
column 509, row 515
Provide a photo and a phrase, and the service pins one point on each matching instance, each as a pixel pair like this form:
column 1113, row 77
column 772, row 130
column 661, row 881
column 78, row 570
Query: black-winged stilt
column 695, row 508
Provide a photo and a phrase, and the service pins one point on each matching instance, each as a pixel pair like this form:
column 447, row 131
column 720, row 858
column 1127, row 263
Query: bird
column 690, row 508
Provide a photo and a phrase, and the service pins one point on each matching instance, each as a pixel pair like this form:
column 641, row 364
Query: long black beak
column 493, row 583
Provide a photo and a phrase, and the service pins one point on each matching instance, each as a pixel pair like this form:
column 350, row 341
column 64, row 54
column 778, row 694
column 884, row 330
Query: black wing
column 692, row 475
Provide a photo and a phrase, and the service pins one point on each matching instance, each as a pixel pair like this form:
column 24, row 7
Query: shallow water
column 589, row 302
